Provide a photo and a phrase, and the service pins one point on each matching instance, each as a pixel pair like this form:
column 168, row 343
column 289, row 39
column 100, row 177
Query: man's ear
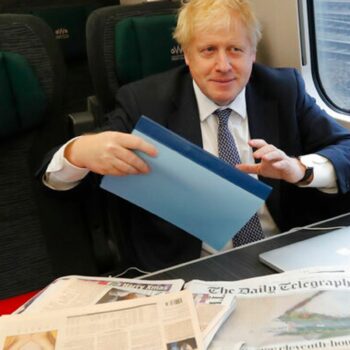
column 254, row 56
column 186, row 56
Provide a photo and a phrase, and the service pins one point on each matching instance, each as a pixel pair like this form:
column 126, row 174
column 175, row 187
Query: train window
column 330, row 35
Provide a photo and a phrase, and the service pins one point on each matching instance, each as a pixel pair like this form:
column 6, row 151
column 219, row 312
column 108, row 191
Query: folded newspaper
column 298, row 310
column 165, row 321
column 74, row 291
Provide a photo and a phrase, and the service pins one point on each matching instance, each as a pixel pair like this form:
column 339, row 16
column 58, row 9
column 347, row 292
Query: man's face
column 221, row 62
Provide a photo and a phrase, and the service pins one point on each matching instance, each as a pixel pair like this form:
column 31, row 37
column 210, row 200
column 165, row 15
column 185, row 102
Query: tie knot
column 223, row 114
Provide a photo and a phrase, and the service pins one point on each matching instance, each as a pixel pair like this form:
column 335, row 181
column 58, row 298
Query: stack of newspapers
column 79, row 312
column 296, row 310
column 304, row 309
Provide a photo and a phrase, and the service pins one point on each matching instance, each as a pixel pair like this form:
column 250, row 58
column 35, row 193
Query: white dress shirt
column 62, row 175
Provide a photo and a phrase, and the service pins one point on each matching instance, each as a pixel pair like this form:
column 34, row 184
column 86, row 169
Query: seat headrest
column 144, row 46
column 22, row 100
column 68, row 24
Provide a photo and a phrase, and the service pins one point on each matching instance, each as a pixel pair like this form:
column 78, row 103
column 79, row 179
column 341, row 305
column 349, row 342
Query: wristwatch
column 308, row 175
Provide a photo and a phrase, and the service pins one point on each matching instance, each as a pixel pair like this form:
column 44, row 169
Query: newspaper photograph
column 73, row 291
column 287, row 311
column 165, row 321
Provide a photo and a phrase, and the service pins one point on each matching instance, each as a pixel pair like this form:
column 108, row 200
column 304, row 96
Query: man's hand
column 109, row 153
column 274, row 163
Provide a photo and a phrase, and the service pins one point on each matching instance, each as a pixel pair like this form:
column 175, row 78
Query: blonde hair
column 198, row 15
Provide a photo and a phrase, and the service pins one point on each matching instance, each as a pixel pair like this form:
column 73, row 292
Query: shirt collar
column 207, row 107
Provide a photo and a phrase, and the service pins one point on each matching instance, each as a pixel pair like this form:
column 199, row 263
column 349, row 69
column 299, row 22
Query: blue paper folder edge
column 202, row 157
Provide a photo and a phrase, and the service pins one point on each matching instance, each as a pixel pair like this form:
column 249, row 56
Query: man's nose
column 223, row 62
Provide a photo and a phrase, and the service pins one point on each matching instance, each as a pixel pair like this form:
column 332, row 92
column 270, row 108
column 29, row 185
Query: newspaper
column 299, row 310
column 165, row 321
column 212, row 309
column 74, row 291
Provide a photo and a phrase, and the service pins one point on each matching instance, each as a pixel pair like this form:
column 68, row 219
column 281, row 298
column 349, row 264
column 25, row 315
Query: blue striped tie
column 228, row 152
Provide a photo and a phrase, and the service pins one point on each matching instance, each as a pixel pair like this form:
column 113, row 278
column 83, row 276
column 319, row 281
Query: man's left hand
column 274, row 163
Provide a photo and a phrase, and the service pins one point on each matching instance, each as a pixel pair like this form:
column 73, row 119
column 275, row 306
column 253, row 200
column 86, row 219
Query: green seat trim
column 8, row 118
column 144, row 46
column 22, row 100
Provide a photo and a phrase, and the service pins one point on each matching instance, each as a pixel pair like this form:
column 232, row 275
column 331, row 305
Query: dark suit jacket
column 279, row 111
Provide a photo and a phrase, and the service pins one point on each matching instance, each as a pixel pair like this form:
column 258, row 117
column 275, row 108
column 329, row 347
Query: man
column 271, row 118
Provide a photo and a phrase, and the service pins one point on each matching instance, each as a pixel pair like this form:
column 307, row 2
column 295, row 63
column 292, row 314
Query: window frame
column 310, row 67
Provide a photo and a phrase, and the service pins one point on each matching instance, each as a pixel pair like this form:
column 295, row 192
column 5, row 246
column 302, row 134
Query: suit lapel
column 264, row 124
column 262, row 115
column 185, row 118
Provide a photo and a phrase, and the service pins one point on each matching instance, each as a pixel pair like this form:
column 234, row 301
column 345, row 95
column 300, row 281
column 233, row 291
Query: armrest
column 95, row 108
column 81, row 122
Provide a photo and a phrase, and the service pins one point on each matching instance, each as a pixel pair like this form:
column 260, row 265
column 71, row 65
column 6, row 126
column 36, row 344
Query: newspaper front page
column 301, row 310
column 74, row 291
column 166, row 321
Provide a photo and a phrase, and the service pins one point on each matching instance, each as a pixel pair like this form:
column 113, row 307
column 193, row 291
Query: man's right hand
column 110, row 153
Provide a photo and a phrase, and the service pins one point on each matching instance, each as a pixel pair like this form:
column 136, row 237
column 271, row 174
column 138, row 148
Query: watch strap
column 309, row 171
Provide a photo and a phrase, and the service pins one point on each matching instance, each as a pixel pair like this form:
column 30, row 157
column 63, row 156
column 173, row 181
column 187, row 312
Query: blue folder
column 190, row 187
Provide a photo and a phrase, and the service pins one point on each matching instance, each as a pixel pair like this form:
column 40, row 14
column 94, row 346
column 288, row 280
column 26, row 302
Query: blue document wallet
column 190, row 187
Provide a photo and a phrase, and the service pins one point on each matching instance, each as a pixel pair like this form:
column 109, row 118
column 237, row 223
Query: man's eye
column 208, row 49
column 236, row 49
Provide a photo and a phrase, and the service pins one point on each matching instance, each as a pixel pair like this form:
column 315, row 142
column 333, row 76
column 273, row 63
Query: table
column 243, row 262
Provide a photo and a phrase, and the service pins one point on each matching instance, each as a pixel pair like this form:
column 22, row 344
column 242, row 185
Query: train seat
column 129, row 42
column 67, row 19
column 35, row 244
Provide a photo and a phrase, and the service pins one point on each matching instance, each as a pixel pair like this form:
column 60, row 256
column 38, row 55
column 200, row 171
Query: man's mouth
column 223, row 81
